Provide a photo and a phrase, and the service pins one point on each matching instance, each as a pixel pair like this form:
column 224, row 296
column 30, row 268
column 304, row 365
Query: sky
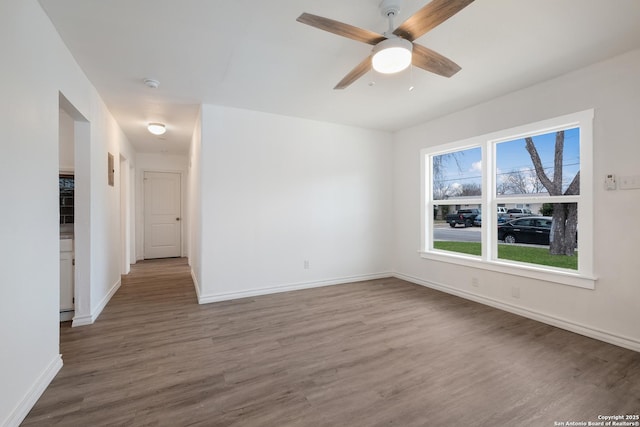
column 466, row 166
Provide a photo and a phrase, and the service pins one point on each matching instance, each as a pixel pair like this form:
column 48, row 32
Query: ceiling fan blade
column 341, row 29
column 429, row 17
column 359, row 71
column 432, row 61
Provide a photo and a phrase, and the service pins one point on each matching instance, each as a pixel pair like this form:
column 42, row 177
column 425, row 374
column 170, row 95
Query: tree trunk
column 562, row 239
column 564, row 228
column 556, row 237
column 571, row 226
column 571, row 229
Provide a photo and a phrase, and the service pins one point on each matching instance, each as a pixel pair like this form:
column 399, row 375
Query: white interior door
column 162, row 215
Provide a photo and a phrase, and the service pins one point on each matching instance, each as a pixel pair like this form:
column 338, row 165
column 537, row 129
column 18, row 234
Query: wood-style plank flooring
column 377, row 353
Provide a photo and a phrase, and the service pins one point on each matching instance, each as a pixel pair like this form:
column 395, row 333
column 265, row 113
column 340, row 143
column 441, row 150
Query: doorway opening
column 73, row 161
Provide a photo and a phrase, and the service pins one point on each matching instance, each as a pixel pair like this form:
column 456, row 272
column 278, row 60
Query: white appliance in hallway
column 67, row 270
column 162, row 215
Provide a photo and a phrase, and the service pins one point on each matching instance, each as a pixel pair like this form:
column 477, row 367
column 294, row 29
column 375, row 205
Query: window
column 513, row 201
column 457, row 194
column 66, row 185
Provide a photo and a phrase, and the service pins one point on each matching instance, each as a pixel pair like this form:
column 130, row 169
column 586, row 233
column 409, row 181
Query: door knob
column 177, row 219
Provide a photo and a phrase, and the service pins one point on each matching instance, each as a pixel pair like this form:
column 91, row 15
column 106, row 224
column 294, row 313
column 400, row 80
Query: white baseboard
column 206, row 299
column 65, row 316
column 106, row 300
column 561, row 323
column 195, row 284
column 88, row 319
column 29, row 400
column 81, row 320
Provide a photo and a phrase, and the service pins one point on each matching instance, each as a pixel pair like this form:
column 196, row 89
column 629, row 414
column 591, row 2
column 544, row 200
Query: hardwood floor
column 377, row 353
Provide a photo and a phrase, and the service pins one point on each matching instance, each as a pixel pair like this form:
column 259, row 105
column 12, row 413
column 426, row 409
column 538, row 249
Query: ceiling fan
column 394, row 50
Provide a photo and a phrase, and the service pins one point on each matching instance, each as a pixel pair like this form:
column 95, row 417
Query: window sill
column 515, row 269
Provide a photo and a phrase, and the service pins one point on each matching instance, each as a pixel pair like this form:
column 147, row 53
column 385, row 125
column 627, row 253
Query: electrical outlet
column 475, row 282
column 306, row 264
column 515, row 292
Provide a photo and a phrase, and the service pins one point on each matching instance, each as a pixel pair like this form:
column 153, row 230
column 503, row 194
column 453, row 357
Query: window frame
column 584, row 277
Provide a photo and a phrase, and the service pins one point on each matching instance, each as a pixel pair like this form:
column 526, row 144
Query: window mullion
column 489, row 209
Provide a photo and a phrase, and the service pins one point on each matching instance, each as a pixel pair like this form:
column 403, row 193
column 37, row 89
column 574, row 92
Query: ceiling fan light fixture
column 156, row 128
column 392, row 55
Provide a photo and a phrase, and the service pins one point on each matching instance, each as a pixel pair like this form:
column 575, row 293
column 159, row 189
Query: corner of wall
column 27, row 402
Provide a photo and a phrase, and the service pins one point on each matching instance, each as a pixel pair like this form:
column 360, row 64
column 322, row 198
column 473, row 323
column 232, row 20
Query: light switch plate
column 630, row 182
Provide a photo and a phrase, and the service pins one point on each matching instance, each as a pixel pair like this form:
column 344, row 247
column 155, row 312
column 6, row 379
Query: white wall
column 194, row 202
column 276, row 191
column 65, row 138
column 158, row 162
column 105, row 264
column 29, row 254
column 610, row 311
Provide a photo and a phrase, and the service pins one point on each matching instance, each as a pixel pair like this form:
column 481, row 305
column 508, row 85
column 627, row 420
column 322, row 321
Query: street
column 458, row 234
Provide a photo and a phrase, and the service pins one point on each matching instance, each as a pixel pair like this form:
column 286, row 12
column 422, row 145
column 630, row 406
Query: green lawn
column 532, row 255
column 472, row 248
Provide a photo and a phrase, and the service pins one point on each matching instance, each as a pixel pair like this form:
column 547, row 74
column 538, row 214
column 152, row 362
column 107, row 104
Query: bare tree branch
column 537, row 164
column 557, row 161
column 574, row 187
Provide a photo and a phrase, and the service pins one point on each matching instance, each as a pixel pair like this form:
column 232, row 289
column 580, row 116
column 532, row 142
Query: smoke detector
column 153, row 84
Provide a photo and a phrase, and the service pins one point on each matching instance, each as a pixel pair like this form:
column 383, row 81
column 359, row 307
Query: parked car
column 530, row 229
column 518, row 212
column 502, row 214
column 463, row 216
column 501, row 219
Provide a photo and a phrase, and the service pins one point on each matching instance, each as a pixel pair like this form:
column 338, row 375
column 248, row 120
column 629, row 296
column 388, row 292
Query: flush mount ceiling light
column 156, row 128
column 392, row 55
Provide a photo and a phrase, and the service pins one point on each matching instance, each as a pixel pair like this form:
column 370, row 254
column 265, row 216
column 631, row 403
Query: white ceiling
column 253, row 54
